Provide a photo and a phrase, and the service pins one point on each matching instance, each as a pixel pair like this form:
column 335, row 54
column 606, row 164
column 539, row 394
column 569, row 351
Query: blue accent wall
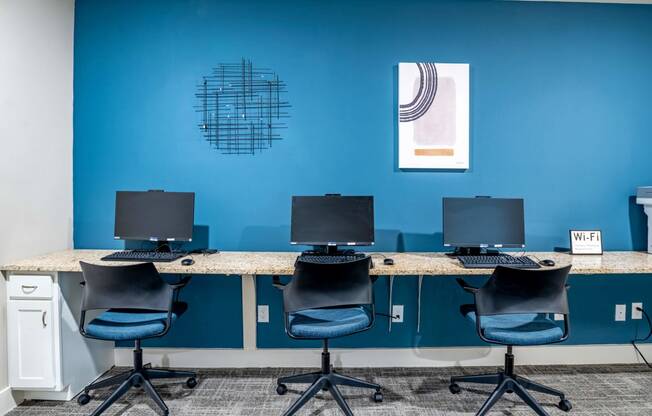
column 592, row 299
column 560, row 116
column 213, row 318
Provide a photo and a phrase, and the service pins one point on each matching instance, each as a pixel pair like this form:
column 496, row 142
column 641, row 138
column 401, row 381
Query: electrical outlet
column 636, row 314
column 559, row 317
column 263, row 314
column 621, row 313
column 397, row 311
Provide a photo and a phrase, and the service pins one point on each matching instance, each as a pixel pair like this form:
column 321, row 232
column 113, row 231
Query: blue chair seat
column 129, row 324
column 519, row 329
column 328, row 323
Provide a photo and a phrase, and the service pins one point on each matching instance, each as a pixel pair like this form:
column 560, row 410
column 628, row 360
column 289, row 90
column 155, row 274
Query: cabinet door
column 31, row 344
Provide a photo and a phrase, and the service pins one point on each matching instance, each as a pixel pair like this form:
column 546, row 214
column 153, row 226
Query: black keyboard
column 490, row 262
column 144, row 255
column 330, row 259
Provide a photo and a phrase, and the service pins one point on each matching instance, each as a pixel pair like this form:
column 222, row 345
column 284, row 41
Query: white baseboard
column 385, row 357
column 9, row 399
column 63, row 395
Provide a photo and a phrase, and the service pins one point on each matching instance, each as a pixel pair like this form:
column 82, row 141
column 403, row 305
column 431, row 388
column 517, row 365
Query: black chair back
column 511, row 291
column 317, row 285
column 137, row 286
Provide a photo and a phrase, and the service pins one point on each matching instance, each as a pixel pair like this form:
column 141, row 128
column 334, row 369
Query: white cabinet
column 33, row 332
column 48, row 358
column 31, row 350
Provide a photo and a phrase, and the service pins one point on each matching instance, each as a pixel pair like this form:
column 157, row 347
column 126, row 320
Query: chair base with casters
column 326, row 379
column 508, row 382
column 140, row 376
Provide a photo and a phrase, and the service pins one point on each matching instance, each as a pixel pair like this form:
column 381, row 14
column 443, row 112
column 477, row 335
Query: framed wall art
column 433, row 114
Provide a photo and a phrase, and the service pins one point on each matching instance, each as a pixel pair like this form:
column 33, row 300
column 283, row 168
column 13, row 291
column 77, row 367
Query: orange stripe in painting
column 434, row 152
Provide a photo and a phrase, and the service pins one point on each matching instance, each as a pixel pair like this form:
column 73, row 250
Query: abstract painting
column 433, row 114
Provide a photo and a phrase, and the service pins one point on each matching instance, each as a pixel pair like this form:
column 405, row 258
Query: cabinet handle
column 43, row 319
column 28, row 287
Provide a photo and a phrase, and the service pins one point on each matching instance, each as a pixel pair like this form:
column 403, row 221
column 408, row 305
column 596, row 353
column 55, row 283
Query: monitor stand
column 166, row 247
column 326, row 250
column 163, row 247
column 148, row 245
column 473, row 251
column 330, row 250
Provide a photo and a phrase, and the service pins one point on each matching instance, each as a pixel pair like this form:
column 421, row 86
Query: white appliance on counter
column 644, row 197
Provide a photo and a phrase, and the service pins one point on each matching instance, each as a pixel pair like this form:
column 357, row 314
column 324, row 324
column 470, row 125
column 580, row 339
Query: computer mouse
column 187, row 262
column 547, row 263
column 388, row 262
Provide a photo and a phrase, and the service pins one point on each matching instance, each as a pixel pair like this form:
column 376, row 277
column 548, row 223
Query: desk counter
column 282, row 263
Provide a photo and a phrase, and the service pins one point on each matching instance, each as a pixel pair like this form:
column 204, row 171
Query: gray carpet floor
column 622, row 390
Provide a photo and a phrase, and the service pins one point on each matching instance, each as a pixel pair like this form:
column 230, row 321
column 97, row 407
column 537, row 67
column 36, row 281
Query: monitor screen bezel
column 337, row 243
column 481, row 245
column 152, row 238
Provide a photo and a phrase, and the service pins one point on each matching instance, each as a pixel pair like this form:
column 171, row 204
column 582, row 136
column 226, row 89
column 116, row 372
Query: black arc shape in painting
column 424, row 97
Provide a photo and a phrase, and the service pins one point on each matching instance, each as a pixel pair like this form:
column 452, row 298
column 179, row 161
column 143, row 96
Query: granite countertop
column 282, row 263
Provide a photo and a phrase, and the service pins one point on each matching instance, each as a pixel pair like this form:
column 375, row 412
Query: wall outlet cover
column 621, row 313
column 397, row 310
column 636, row 314
column 263, row 314
column 559, row 317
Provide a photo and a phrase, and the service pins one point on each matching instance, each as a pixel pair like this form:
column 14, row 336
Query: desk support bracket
column 249, row 306
column 391, row 302
column 419, row 303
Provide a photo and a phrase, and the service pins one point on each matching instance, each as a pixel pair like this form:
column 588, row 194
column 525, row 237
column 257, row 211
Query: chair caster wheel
column 191, row 383
column 565, row 405
column 281, row 389
column 83, row 399
column 454, row 388
column 377, row 397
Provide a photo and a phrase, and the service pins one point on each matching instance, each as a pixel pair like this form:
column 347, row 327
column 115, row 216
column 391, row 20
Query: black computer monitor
column 332, row 220
column 483, row 222
column 154, row 215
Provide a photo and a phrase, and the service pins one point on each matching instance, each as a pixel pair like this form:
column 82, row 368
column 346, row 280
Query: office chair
column 139, row 304
column 325, row 301
column 511, row 309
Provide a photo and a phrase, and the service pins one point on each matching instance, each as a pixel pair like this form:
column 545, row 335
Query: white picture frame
column 433, row 116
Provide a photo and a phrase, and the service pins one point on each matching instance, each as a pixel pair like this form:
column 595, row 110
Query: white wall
column 36, row 75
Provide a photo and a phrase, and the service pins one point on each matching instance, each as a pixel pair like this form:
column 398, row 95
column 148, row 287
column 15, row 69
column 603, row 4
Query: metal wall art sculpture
column 242, row 111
